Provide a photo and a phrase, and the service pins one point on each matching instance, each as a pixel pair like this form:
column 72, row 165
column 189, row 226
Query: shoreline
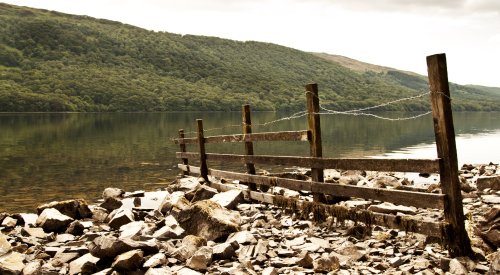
column 174, row 231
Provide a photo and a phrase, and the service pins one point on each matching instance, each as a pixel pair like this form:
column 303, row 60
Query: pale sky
column 394, row 33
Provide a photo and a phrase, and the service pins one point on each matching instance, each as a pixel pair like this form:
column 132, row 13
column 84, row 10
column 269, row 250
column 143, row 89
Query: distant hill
column 50, row 61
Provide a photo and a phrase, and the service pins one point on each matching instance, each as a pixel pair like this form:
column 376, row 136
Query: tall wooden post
column 316, row 149
column 203, row 154
column 247, row 129
column 182, row 146
column 459, row 243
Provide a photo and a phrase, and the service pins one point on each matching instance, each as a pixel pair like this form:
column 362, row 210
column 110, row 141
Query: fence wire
column 326, row 111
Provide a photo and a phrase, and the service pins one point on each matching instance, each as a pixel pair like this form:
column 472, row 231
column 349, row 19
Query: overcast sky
column 394, row 33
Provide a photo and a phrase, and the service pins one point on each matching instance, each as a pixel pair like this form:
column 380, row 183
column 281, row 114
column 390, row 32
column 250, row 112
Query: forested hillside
column 51, row 61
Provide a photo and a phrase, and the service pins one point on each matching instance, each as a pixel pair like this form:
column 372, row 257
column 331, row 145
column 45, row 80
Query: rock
column 5, row 246
column 123, row 216
column 158, row 271
column 188, row 271
column 190, row 244
column 270, row 271
column 51, row 220
column 223, row 251
column 9, row 222
column 112, row 192
column 491, row 199
column 389, row 208
column 84, row 264
column 75, row 228
column 132, row 229
column 12, row 263
column 174, row 202
column 188, row 183
column 76, row 209
column 35, row 232
column 495, row 263
column 209, row 220
column 201, row 259
column 304, row 260
column 242, row 237
column 352, row 252
column 171, row 229
column 326, row 264
column 229, row 199
column 421, row 263
column 489, row 228
column 203, row 192
column 396, row 261
column 110, row 247
column 492, row 182
column 99, row 214
column 111, row 204
column 261, row 247
column 129, row 260
column 62, row 258
column 32, row 268
column 63, row 238
column 457, row 268
column 155, row 260
column 385, row 181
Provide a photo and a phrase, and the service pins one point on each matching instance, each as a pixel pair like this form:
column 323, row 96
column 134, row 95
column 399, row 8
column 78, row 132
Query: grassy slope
column 51, row 61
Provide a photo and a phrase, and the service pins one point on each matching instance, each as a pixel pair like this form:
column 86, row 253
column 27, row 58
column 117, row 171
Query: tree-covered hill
column 51, row 61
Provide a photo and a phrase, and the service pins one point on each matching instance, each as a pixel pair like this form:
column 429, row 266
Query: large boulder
column 76, row 209
column 209, row 220
column 51, row 220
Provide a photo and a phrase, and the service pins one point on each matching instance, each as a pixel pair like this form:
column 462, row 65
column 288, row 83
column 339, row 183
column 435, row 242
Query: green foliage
column 51, row 61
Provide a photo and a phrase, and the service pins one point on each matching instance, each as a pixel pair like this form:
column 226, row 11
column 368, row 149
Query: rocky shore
column 189, row 227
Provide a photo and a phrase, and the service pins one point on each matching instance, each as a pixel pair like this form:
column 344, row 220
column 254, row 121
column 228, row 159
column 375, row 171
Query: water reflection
column 47, row 157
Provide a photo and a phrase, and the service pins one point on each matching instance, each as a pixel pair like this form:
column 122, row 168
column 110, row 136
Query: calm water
column 45, row 157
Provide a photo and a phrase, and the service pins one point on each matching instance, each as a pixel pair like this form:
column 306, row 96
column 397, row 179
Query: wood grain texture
column 447, row 152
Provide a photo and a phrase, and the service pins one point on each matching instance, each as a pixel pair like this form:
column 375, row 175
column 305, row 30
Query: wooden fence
column 451, row 230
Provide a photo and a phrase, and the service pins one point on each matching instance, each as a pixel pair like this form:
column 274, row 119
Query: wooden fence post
column 203, row 154
column 458, row 240
column 247, row 129
column 316, row 149
column 183, row 149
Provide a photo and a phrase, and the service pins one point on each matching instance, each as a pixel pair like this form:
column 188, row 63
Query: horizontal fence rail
column 389, row 165
column 270, row 136
column 408, row 224
column 408, row 198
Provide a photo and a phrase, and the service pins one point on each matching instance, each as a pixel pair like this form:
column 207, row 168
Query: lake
column 45, row 157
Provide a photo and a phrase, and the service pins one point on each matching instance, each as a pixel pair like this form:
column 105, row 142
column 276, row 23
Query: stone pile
column 191, row 228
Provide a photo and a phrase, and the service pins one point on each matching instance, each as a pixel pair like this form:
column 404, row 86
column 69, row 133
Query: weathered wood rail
column 451, row 230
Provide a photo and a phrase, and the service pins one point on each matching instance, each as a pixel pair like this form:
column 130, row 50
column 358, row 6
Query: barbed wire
column 380, row 105
column 353, row 112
